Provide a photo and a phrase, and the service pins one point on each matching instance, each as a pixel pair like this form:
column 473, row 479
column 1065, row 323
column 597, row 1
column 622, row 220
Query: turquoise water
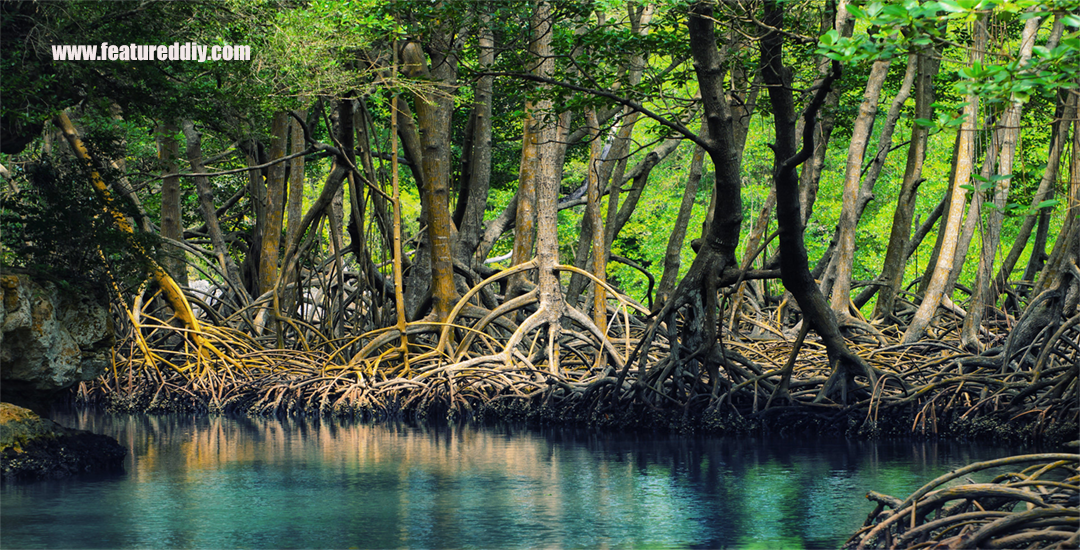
column 196, row 482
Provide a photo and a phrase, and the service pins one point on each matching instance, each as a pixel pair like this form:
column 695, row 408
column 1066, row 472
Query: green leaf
column 1048, row 203
column 829, row 38
column 950, row 6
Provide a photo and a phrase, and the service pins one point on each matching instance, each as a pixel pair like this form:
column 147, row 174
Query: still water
column 197, row 482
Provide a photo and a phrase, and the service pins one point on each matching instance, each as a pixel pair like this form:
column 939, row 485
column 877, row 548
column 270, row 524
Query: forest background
column 679, row 204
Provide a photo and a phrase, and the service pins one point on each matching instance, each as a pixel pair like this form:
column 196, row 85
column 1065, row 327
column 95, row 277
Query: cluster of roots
column 1029, row 501
column 489, row 357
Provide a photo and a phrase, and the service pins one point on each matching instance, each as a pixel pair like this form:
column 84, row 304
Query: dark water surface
column 238, row 482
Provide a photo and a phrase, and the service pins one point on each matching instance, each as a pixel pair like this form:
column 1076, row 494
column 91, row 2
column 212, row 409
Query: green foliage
column 322, row 48
column 55, row 225
column 910, row 24
column 35, row 87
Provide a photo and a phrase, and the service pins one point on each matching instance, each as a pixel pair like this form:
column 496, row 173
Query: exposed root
column 1033, row 507
column 511, row 355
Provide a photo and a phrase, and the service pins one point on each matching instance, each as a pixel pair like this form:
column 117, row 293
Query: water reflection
column 225, row 482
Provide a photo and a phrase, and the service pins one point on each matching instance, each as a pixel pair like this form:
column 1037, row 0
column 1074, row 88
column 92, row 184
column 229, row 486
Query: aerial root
column 485, row 357
column 1036, row 507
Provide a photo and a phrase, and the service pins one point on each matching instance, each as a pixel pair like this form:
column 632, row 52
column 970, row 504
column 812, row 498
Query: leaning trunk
column 936, row 289
column 1010, row 121
column 860, row 137
column 892, row 273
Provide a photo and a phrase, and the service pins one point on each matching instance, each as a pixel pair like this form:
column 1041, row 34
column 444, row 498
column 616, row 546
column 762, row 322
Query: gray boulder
column 50, row 340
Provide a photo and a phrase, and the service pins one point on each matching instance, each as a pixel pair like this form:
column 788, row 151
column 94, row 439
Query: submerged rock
column 32, row 447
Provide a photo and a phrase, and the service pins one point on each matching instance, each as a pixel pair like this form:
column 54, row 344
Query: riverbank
column 421, row 403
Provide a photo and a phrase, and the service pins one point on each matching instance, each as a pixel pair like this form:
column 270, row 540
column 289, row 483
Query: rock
column 50, row 340
column 32, row 448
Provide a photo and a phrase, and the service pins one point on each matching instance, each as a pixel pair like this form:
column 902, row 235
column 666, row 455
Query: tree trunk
column 892, row 272
column 673, row 253
column 973, row 218
column 698, row 289
column 525, row 219
column 860, row 137
column 434, row 109
column 548, row 137
column 722, row 238
column 873, row 170
column 169, row 289
column 810, row 177
column 595, row 223
column 924, row 280
column 275, row 203
column 172, row 224
column 1010, row 123
column 1063, row 256
column 963, row 167
column 472, row 200
column 206, row 205
column 257, row 198
column 1064, row 113
column 505, row 220
column 295, row 205
column 617, row 215
column 794, row 264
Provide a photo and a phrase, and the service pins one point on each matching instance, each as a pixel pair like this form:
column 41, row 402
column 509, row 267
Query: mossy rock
column 19, row 426
column 32, row 447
